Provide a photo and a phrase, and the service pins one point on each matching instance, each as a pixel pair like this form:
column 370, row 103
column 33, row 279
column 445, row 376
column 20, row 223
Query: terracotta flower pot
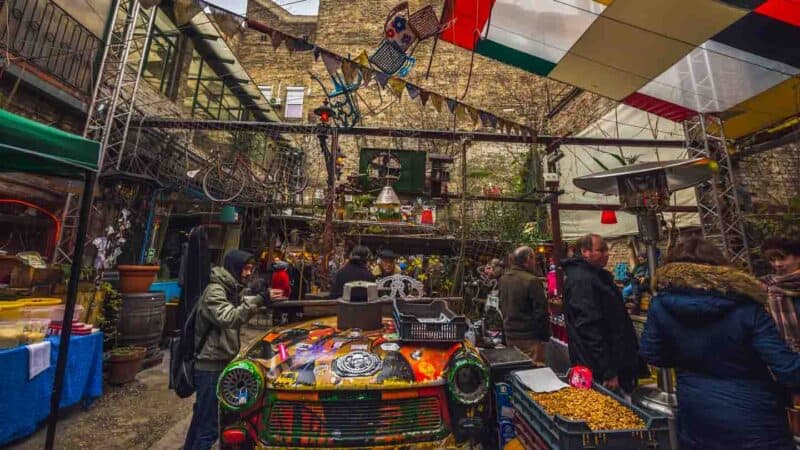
column 136, row 279
column 124, row 364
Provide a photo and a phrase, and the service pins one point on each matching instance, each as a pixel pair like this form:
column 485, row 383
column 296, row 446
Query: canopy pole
column 69, row 309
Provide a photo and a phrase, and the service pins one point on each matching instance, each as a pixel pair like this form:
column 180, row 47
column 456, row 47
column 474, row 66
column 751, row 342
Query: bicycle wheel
column 297, row 181
column 223, row 183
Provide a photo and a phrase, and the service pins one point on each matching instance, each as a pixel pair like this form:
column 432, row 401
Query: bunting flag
column 366, row 74
column 473, row 114
column 423, row 96
column 332, row 62
column 436, row 99
column 317, row 52
column 413, row 91
column 484, row 116
column 461, row 111
column 349, row 70
column 451, row 105
column 381, row 78
column 397, row 85
column 362, row 59
column 277, row 38
column 302, row 45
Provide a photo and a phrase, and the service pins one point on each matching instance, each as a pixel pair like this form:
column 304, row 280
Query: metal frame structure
column 717, row 202
column 111, row 108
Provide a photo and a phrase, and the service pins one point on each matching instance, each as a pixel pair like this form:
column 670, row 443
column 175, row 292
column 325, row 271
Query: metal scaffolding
column 111, row 108
column 717, row 203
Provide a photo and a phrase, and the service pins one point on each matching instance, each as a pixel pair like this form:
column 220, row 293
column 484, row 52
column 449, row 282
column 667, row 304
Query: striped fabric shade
column 674, row 58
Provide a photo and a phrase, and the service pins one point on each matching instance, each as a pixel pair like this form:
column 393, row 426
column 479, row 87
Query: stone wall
column 771, row 178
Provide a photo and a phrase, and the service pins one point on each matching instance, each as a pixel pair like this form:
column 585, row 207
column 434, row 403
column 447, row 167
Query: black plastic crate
column 527, row 437
column 428, row 322
column 564, row 434
column 503, row 361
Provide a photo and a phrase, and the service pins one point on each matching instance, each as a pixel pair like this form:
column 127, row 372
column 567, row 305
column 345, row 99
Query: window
column 266, row 91
column 161, row 53
column 294, row 103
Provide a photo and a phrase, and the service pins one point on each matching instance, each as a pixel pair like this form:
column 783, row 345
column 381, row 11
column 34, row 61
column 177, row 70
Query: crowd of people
column 732, row 339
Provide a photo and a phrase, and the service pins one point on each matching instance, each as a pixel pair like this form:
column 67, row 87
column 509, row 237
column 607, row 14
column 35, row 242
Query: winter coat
column 710, row 324
column 524, row 305
column 224, row 308
column 349, row 272
column 601, row 334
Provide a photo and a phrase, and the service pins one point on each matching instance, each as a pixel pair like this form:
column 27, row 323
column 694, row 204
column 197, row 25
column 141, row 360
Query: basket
column 424, row 22
column 389, row 57
column 428, row 322
column 559, row 433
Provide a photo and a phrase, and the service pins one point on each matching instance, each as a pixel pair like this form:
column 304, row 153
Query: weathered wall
column 771, row 178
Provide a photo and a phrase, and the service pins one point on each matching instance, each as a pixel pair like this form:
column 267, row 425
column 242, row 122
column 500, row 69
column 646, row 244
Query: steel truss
column 111, row 108
column 717, row 202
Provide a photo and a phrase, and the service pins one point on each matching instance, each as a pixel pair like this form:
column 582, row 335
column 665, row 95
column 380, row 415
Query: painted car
column 314, row 386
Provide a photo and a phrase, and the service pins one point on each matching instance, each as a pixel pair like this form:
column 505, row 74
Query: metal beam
column 599, row 207
column 292, row 128
column 564, row 102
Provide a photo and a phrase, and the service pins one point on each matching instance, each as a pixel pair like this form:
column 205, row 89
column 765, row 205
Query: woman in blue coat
column 709, row 322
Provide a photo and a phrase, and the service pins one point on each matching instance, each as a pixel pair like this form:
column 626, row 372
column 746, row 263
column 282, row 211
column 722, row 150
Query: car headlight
column 468, row 381
column 240, row 385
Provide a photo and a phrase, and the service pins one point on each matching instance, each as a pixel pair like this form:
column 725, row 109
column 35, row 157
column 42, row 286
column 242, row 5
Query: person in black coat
column 601, row 334
column 710, row 323
column 355, row 270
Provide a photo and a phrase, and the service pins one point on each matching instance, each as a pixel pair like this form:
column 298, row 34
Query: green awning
column 30, row 146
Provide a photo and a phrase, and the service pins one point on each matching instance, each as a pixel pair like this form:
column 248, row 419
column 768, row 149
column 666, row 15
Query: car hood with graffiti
column 314, row 385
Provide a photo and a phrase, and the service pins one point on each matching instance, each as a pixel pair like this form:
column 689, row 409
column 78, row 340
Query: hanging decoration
column 349, row 74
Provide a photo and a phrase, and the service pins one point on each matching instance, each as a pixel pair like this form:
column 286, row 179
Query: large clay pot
column 136, row 279
column 124, row 364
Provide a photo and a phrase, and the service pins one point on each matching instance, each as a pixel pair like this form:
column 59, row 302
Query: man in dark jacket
column 601, row 334
column 526, row 322
column 223, row 308
column 355, row 270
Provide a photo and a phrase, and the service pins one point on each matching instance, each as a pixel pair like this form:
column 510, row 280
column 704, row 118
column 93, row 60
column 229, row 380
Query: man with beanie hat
column 223, row 308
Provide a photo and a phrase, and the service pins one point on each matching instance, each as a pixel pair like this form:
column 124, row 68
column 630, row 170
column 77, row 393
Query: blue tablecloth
column 26, row 403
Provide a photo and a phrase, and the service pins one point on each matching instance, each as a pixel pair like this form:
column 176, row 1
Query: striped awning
column 674, row 58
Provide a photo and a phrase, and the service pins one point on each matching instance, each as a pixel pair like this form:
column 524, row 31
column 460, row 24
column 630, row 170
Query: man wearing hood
column 226, row 304
column 601, row 334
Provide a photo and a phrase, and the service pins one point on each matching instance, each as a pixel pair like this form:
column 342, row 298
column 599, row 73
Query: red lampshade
column 608, row 217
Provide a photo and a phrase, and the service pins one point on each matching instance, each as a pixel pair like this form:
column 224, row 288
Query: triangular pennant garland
column 363, row 59
column 317, row 52
column 366, row 74
column 451, row 105
column 484, row 116
column 461, row 111
column 302, row 45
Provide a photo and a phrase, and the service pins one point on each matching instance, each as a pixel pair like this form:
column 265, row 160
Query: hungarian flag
column 533, row 35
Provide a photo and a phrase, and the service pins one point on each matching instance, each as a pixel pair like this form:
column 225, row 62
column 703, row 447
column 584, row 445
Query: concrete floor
column 141, row 415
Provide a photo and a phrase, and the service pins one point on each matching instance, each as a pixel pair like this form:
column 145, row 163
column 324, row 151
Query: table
column 26, row 403
column 323, row 308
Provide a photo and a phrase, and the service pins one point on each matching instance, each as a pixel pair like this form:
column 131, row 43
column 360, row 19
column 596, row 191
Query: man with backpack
column 226, row 304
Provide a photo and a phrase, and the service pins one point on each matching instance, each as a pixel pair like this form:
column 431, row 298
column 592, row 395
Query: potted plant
column 124, row 363
column 133, row 278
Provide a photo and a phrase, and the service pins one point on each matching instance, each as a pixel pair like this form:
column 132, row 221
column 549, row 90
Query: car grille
column 347, row 420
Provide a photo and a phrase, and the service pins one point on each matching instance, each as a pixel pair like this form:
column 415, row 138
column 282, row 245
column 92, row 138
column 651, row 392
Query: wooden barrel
column 141, row 320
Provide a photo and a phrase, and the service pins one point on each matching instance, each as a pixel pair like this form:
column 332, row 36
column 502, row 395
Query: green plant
column 109, row 315
column 86, row 273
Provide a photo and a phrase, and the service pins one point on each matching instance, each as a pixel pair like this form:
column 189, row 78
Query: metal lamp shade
column 387, row 197
column 680, row 174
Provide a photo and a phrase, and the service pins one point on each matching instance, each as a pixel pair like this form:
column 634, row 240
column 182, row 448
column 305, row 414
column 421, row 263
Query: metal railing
column 41, row 33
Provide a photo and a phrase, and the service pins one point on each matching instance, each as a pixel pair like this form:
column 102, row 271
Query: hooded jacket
column 601, row 334
column 352, row 271
column 710, row 324
column 524, row 305
column 224, row 307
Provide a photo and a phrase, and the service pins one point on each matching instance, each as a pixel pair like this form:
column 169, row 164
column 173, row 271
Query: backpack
column 183, row 352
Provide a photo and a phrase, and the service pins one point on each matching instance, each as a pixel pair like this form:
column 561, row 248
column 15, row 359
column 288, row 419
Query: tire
column 230, row 178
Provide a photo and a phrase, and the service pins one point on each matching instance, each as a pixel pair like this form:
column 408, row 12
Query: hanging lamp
column 608, row 217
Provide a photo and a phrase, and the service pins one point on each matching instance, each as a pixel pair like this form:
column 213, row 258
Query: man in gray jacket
column 526, row 321
column 226, row 304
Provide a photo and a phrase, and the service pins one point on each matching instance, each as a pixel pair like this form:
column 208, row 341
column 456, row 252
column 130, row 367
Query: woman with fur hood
column 709, row 321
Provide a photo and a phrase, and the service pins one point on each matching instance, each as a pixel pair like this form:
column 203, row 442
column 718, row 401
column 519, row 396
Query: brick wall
column 771, row 178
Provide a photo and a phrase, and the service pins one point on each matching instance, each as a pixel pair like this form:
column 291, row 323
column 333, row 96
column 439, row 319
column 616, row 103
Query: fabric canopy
column 627, row 123
column 673, row 58
column 30, row 146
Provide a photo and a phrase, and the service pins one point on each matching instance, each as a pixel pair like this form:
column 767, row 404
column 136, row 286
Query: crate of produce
column 428, row 322
column 640, row 430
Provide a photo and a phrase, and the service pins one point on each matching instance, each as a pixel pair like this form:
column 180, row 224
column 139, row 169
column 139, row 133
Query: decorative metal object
column 342, row 105
column 424, row 23
column 387, row 197
column 389, row 58
column 401, row 286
